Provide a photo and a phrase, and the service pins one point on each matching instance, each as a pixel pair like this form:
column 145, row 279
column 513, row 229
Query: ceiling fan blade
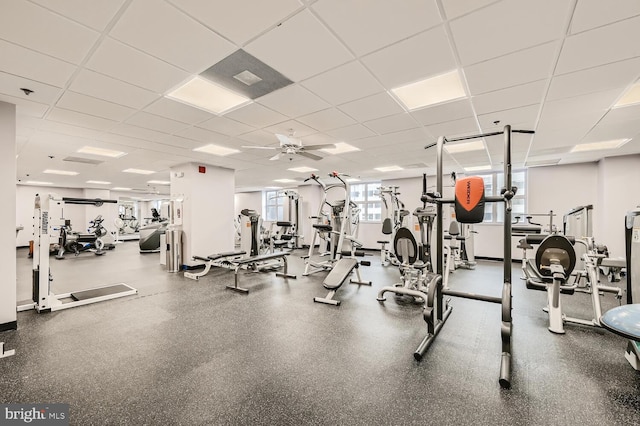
column 284, row 140
column 261, row 147
column 309, row 155
column 275, row 157
column 322, row 146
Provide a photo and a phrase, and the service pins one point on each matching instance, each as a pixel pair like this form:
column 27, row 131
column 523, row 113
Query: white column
column 8, row 318
column 208, row 208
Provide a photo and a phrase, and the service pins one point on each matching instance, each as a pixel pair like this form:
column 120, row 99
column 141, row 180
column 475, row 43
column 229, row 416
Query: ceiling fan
column 290, row 146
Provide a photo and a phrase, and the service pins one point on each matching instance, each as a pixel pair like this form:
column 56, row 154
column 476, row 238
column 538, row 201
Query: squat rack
column 436, row 309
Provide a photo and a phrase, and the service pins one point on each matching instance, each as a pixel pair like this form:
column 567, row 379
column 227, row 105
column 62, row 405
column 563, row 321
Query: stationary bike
column 76, row 242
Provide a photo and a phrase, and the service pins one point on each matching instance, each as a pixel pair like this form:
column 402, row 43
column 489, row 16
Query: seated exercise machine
column 625, row 320
column 47, row 207
column 552, row 270
column 520, row 228
column 459, row 250
column 150, row 233
column 414, row 259
column 345, row 218
column 394, row 220
column 254, row 239
column 288, row 235
column 469, row 204
column 77, row 242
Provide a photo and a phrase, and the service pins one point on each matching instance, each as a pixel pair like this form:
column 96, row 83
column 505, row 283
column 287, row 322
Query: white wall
column 8, row 216
column 618, row 193
column 208, row 220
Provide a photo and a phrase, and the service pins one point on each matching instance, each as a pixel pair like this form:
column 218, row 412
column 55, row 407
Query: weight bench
column 336, row 278
column 212, row 260
column 613, row 267
column 253, row 263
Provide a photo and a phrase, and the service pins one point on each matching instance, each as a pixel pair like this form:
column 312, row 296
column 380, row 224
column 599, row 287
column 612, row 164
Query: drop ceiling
column 100, row 71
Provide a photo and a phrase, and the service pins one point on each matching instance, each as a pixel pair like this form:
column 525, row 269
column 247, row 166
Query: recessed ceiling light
column 284, row 180
column 464, row 147
column 202, row 93
column 216, row 150
column 303, row 169
column 159, row 182
column 101, row 151
column 60, row 172
column 99, row 182
column 37, row 182
column 389, row 169
column 119, row 188
column 477, row 168
column 340, row 148
column 596, row 146
column 139, row 171
column 431, row 91
column 631, row 96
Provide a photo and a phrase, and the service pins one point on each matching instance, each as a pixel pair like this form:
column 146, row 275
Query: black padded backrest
column 405, row 237
column 556, row 247
column 469, row 200
column 387, row 227
column 454, row 228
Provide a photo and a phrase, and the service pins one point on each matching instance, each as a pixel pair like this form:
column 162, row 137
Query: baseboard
column 13, row 325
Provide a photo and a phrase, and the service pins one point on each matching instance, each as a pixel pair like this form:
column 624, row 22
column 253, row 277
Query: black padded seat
column 526, row 229
column 555, row 247
column 321, row 227
column 405, row 235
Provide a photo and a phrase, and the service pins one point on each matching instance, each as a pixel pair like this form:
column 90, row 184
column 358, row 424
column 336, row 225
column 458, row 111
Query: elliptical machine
column 396, row 214
column 77, row 242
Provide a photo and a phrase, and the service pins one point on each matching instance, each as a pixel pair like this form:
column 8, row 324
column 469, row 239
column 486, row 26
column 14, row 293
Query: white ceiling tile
column 517, row 68
column 298, row 129
column 92, row 13
column 590, row 107
column 616, row 75
column 125, row 129
column 178, row 111
column 26, row 106
column 359, row 27
column 293, row 101
column 454, row 128
column 600, row 46
column 34, row 27
column 413, row 59
column 343, row 84
column 512, row 97
column 621, row 115
column 94, row 106
column 594, row 13
column 449, row 111
column 239, row 20
column 43, row 93
column 156, row 122
column 79, row 119
column 226, row 126
column 142, row 70
column 320, row 138
column 34, row 66
column 171, row 36
column 514, row 25
column 112, row 90
column 327, row 119
column 202, row 135
column 455, row 8
column 351, row 133
column 299, row 48
column 256, row 115
column 523, row 118
column 372, row 107
column 260, row 137
column 603, row 132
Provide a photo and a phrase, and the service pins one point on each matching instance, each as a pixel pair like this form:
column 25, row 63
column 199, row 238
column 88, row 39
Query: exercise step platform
column 102, row 292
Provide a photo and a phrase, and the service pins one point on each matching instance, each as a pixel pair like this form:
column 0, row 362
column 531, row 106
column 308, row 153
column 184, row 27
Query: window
column 367, row 197
column 493, row 184
column 272, row 206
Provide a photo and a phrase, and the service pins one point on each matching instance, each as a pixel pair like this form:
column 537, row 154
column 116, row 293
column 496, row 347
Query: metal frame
column 437, row 310
column 44, row 300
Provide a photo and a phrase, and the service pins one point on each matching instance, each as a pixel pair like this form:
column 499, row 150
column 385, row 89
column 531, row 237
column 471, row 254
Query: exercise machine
column 553, row 271
column 289, row 233
column 625, row 320
column 394, row 220
column 469, row 201
column 254, row 239
column 459, row 250
column 150, row 233
column 47, row 208
column 520, row 228
column 77, row 242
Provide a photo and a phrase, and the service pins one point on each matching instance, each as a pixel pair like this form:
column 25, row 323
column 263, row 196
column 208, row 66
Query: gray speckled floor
column 187, row 352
